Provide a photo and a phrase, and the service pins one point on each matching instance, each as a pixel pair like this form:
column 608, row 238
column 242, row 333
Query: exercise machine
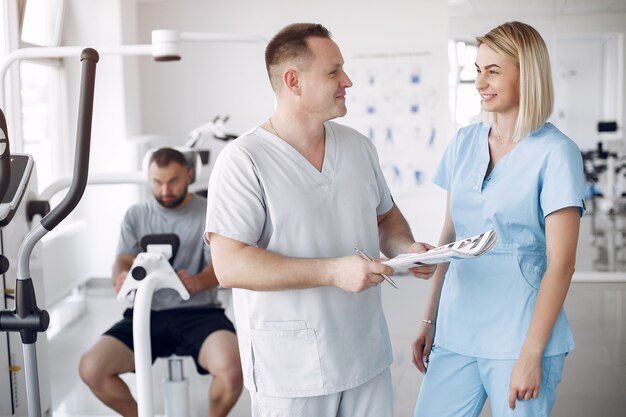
column 15, row 172
column 151, row 271
column 605, row 177
column 208, row 140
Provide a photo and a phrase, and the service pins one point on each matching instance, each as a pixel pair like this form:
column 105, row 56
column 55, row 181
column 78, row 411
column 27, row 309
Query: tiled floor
column 594, row 379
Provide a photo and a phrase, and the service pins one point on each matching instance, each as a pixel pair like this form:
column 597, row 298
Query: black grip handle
column 89, row 58
column 5, row 157
column 139, row 273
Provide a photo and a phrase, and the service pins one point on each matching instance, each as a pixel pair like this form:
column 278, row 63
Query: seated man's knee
column 90, row 370
column 232, row 378
column 236, row 378
column 108, row 357
column 228, row 371
column 235, row 374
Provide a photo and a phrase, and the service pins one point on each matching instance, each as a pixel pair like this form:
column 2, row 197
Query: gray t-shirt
column 188, row 223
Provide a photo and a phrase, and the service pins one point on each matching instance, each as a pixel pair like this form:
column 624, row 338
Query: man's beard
column 172, row 204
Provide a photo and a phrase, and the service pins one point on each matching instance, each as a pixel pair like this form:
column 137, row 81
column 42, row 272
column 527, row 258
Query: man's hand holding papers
column 461, row 249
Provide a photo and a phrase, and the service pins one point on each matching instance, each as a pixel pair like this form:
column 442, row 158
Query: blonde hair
column 523, row 45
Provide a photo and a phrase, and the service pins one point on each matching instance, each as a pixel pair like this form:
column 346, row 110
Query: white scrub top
column 304, row 342
column 487, row 303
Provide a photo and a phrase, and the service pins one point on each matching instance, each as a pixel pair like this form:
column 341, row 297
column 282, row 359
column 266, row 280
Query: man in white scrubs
column 288, row 202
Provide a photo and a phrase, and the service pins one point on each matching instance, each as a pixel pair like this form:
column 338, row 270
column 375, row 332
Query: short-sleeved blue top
column 487, row 303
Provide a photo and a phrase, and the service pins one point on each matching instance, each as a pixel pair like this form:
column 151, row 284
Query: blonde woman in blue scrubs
column 495, row 326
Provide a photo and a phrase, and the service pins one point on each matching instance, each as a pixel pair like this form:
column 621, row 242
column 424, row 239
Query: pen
column 367, row 258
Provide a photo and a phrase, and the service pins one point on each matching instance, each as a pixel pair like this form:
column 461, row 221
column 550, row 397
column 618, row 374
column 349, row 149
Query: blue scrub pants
column 457, row 386
column 372, row 399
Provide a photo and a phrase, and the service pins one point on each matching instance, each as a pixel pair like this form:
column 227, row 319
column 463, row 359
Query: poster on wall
column 394, row 101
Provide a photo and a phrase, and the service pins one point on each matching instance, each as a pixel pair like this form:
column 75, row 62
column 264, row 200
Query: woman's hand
column 422, row 271
column 525, row 379
column 422, row 345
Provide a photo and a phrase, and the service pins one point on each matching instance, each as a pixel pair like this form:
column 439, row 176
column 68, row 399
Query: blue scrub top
column 487, row 303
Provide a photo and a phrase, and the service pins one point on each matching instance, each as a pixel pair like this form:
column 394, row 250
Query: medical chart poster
column 394, row 101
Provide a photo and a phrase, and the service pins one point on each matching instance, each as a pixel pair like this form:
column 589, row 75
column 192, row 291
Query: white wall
column 214, row 79
column 115, row 118
column 136, row 97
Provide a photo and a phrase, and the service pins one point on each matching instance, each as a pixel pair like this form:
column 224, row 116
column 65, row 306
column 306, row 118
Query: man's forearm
column 260, row 270
column 206, row 278
column 394, row 233
column 122, row 263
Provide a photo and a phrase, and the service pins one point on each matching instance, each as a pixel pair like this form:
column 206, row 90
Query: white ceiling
column 537, row 8
column 542, row 8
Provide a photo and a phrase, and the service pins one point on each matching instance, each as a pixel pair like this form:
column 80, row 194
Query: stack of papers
column 461, row 249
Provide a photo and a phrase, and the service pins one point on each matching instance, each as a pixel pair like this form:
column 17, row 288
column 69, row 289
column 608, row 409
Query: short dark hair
column 165, row 156
column 290, row 43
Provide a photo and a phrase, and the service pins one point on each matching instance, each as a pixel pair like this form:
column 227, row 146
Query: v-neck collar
column 330, row 154
column 485, row 177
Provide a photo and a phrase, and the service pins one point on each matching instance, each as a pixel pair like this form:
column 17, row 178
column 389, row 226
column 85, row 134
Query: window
column 41, row 118
column 464, row 99
column 42, row 22
column 3, row 33
column 42, row 105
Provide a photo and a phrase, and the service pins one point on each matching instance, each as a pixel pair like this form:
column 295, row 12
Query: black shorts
column 179, row 331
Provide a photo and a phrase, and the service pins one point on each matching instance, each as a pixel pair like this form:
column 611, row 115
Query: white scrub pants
column 372, row 399
column 457, row 386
